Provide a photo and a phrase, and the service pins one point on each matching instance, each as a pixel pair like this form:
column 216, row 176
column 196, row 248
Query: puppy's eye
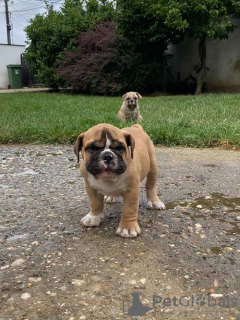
column 120, row 149
column 91, row 148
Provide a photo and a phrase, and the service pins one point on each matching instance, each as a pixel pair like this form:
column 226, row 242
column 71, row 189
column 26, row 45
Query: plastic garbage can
column 15, row 76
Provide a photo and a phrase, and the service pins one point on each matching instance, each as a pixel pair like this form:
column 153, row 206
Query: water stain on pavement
column 15, row 237
column 209, row 202
column 215, row 201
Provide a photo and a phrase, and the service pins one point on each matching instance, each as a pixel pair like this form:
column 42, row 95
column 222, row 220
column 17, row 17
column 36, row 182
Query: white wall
column 9, row 54
column 223, row 61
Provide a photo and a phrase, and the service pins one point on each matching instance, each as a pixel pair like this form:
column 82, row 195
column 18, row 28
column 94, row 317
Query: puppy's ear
column 78, row 145
column 124, row 96
column 139, row 96
column 130, row 142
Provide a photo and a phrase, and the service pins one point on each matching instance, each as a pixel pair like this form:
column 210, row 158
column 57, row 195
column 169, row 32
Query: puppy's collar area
column 113, row 187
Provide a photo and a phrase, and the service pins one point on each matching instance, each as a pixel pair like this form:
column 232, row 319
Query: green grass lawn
column 202, row 121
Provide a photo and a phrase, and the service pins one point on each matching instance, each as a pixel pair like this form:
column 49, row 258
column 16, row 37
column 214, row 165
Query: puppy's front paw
column 111, row 199
column 92, row 221
column 128, row 229
column 156, row 205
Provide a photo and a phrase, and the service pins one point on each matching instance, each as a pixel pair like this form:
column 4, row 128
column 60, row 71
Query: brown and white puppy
column 114, row 162
column 129, row 110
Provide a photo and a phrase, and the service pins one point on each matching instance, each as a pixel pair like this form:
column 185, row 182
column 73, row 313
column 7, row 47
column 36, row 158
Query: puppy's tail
column 138, row 126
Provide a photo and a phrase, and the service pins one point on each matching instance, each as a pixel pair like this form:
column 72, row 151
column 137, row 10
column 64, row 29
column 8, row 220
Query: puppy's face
column 104, row 151
column 131, row 99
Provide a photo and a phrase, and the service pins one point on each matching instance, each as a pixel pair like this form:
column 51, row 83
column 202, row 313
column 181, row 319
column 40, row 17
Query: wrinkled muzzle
column 132, row 104
column 106, row 164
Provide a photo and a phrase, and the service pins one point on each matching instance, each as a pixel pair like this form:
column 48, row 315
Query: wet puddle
column 71, row 182
column 29, row 171
column 74, row 165
column 216, row 250
column 3, row 186
column 210, row 202
column 219, row 251
column 18, row 154
column 215, row 201
column 210, row 165
column 51, row 154
column 16, row 237
column 39, row 154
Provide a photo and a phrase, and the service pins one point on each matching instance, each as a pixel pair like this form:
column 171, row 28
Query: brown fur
column 142, row 164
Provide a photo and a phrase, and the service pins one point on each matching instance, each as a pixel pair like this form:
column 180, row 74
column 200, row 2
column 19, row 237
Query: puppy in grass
column 129, row 110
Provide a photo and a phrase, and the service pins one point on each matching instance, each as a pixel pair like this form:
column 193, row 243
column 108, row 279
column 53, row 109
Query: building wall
column 9, row 54
column 223, row 61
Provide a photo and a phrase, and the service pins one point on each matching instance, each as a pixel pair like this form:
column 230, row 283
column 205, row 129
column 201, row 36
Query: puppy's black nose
column 107, row 158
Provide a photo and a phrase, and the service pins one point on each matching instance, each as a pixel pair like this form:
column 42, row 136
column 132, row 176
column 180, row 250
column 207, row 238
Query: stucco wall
column 223, row 61
column 9, row 54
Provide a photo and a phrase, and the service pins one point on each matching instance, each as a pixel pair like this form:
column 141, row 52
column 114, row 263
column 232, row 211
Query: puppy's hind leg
column 152, row 198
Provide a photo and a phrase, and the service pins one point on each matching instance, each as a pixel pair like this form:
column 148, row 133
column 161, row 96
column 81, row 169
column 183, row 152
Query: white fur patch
column 111, row 199
column 107, row 148
column 156, row 205
column 125, row 233
column 108, row 143
column 112, row 188
column 92, row 221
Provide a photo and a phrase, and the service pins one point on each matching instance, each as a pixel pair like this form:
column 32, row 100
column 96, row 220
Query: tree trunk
column 203, row 69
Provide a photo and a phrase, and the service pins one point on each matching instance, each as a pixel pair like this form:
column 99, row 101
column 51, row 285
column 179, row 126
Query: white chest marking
column 113, row 188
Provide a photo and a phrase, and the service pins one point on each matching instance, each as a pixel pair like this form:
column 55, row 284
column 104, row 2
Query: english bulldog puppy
column 130, row 110
column 114, row 162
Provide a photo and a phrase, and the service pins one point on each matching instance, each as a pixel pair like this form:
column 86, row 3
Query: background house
column 9, row 54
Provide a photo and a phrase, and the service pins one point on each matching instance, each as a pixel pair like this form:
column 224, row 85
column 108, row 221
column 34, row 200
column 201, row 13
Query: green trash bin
column 15, row 76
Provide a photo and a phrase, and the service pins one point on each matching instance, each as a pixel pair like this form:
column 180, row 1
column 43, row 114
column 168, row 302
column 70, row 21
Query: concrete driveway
column 185, row 264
